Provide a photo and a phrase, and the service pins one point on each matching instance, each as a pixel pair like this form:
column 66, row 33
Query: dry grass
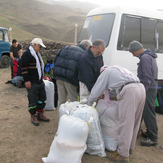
column 31, row 18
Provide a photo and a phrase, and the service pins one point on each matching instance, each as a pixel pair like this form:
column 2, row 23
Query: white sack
column 49, row 88
column 109, row 120
column 95, row 142
column 67, row 107
column 69, row 144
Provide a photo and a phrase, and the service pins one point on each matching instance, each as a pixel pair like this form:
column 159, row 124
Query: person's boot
column 148, row 142
column 42, row 117
column 34, row 120
column 117, row 158
column 130, row 151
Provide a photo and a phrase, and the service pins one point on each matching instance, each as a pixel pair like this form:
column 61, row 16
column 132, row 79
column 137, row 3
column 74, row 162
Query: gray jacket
column 147, row 69
column 112, row 78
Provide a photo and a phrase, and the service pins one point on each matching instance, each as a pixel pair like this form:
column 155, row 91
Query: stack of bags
column 83, row 129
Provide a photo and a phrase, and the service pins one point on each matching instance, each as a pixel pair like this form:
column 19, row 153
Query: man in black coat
column 66, row 71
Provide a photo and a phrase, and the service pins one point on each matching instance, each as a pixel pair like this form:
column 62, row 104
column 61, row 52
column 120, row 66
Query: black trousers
column 36, row 97
column 149, row 115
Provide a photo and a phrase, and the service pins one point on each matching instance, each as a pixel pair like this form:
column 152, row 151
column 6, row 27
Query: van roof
column 152, row 13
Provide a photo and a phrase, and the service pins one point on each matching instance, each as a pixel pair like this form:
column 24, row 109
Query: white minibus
column 118, row 26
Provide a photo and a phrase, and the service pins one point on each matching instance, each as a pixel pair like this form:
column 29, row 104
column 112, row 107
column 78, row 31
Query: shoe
column 23, row 84
column 8, row 82
column 144, row 134
column 42, row 117
column 117, row 158
column 148, row 142
column 19, row 84
column 34, row 119
column 130, row 151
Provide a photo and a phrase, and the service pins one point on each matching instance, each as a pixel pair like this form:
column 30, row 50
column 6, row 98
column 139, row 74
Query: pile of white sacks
column 84, row 129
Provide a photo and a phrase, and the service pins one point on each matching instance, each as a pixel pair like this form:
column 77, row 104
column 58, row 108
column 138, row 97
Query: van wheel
column 5, row 61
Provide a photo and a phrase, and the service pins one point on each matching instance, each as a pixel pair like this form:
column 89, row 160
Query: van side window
column 142, row 29
column 130, row 28
column 1, row 35
column 148, row 38
column 160, row 37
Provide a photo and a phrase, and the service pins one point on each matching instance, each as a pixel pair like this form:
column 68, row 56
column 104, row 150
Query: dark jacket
column 147, row 69
column 29, row 69
column 19, row 73
column 66, row 64
column 89, row 68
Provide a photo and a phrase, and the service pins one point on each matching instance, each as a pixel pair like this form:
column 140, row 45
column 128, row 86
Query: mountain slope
column 30, row 18
column 73, row 4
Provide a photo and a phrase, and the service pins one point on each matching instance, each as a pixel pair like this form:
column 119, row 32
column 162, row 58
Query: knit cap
column 134, row 46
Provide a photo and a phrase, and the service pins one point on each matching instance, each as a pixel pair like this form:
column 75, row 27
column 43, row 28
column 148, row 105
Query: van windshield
column 97, row 27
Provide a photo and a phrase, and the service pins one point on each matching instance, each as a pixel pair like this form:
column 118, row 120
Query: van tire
column 5, row 61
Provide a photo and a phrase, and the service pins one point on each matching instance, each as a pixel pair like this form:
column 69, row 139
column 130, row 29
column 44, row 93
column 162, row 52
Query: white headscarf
column 39, row 69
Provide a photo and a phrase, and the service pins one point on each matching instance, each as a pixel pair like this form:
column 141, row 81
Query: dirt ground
column 22, row 142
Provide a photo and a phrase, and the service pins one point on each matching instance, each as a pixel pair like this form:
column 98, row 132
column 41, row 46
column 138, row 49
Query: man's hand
column 28, row 84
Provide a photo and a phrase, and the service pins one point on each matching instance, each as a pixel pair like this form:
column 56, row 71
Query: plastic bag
column 69, row 144
column 49, row 88
column 109, row 120
column 95, row 142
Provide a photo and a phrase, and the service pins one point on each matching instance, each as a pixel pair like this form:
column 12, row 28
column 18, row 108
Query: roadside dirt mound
column 22, row 142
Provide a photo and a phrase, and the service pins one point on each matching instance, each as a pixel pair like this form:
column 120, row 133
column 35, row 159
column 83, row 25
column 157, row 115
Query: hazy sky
column 137, row 3
column 144, row 4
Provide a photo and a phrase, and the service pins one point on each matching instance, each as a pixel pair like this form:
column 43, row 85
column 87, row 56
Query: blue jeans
column 16, row 79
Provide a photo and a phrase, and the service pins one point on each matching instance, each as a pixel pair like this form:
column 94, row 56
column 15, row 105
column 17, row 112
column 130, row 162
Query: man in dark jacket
column 89, row 67
column 147, row 72
column 66, row 71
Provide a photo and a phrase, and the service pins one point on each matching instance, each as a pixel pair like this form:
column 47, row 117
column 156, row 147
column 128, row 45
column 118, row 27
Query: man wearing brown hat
column 147, row 73
column 32, row 70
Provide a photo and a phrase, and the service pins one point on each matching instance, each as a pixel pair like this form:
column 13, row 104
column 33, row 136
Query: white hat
column 38, row 41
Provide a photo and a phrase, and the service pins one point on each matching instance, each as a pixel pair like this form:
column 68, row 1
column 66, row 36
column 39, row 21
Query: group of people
column 77, row 71
column 30, row 70
column 76, row 65
column 81, row 74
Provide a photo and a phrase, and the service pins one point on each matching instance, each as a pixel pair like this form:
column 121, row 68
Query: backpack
column 15, row 67
column 159, row 100
column 47, row 68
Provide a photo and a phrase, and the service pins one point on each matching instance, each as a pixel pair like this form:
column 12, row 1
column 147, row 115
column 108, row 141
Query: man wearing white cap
column 32, row 70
